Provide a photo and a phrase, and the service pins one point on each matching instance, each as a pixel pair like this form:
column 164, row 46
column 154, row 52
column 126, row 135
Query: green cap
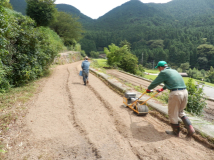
column 161, row 64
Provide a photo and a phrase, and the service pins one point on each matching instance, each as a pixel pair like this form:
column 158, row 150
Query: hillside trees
column 205, row 56
column 68, row 28
column 88, row 45
column 42, row 11
column 94, row 54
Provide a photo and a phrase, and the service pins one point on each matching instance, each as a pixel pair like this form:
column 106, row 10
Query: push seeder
column 138, row 106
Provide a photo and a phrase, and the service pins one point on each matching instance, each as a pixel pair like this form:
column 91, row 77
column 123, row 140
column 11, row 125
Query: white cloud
column 97, row 8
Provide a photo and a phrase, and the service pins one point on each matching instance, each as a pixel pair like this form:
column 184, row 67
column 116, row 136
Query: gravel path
column 68, row 120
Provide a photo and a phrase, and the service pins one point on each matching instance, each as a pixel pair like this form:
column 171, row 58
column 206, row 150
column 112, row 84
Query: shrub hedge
column 26, row 51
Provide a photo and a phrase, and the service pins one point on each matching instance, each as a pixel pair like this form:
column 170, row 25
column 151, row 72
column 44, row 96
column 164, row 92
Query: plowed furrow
column 77, row 124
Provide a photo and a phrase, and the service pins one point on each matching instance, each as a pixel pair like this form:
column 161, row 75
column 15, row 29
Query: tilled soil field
column 68, row 120
column 208, row 113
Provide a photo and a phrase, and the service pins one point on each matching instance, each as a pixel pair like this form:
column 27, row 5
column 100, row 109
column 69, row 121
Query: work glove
column 160, row 90
column 148, row 91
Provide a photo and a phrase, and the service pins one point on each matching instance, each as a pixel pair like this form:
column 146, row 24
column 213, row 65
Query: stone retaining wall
column 68, row 57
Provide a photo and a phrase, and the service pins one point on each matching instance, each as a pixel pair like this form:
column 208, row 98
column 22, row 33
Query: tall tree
column 42, row 11
column 6, row 3
column 68, row 28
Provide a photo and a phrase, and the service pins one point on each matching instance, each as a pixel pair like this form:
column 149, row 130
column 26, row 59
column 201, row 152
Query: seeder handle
column 149, row 98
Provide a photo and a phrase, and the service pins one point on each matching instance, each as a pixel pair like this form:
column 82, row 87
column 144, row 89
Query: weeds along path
column 68, row 120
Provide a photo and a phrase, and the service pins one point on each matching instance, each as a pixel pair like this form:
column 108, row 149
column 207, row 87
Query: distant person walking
column 85, row 70
column 178, row 97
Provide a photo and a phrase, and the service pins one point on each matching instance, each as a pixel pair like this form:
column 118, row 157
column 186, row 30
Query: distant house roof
column 184, row 74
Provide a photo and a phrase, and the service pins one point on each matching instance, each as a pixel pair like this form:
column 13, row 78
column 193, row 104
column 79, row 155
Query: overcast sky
column 97, row 8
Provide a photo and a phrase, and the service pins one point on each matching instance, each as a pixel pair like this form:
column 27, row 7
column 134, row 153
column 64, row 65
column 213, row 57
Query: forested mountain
column 19, row 6
column 183, row 9
column 178, row 31
column 85, row 20
column 132, row 13
column 132, row 21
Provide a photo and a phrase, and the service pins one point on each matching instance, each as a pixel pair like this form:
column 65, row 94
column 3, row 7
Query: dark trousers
column 85, row 76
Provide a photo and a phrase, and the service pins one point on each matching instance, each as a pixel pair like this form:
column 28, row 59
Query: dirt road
column 68, row 120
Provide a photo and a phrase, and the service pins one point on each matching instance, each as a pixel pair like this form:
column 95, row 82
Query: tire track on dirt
column 120, row 126
column 77, row 124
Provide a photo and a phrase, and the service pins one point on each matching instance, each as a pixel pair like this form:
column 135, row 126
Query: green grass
column 186, row 79
column 154, row 71
column 102, row 62
column 150, row 77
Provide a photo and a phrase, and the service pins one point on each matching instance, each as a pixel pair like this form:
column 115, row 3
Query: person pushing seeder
column 178, row 97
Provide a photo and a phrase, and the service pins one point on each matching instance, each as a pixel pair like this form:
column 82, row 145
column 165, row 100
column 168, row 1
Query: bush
column 83, row 53
column 179, row 70
column 140, row 70
column 4, row 83
column 196, row 100
column 77, row 47
column 164, row 96
column 4, row 31
column 94, row 54
column 122, row 58
column 210, row 75
column 129, row 63
column 194, row 73
column 26, row 51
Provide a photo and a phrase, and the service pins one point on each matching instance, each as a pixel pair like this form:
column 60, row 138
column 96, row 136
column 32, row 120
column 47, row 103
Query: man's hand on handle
column 160, row 90
column 149, row 91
